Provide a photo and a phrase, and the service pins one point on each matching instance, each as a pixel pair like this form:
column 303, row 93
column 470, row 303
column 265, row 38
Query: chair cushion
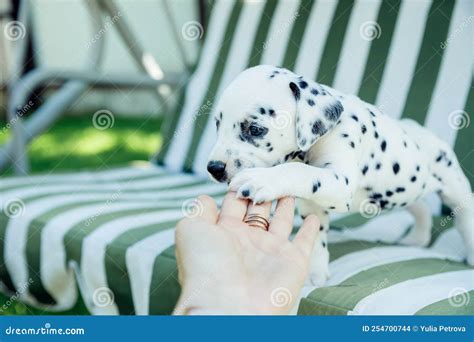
column 110, row 235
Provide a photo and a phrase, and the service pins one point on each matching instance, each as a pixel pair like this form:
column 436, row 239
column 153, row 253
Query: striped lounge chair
column 107, row 237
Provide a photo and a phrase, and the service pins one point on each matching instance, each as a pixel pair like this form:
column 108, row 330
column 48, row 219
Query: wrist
column 212, row 299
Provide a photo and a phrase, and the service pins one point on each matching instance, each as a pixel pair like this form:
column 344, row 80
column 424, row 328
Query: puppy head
column 267, row 116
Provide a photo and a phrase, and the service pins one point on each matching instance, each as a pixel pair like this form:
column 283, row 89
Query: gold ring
column 255, row 220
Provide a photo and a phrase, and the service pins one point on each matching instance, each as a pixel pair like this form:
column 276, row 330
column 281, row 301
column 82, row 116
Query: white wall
column 63, row 36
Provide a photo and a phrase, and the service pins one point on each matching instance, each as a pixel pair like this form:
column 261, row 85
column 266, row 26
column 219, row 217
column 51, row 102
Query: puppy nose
column 217, row 169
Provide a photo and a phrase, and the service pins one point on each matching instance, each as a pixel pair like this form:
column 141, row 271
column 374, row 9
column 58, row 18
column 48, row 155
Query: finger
column 233, row 206
column 282, row 221
column 206, row 208
column 262, row 209
column 306, row 236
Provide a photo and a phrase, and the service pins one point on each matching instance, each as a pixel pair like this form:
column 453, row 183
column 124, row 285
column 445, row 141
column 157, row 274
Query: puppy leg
column 319, row 264
column 331, row 189
column 461, row 203
column 420, row 234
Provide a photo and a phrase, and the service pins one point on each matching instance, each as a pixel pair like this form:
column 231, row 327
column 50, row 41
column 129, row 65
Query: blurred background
column 62, row 36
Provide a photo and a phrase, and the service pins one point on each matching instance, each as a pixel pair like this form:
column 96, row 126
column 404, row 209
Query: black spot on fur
column 318, row 128
column 418, row 168
column 383, row 204
column 378, row 166
column 333, row 112
column 245, row 193
column 376, row 195
column 303, row 84
column 271, row 112
column 332, row 207
column 262, row 110
column 344, row 135
column 365, row 169
column 376, row 135
column 363, row 129
column 314, row 91
column 311, row 102
column 413, row 179
column 352, row 144
column 316, row 186
column 296, row 91
column 354, row 117
column 396, row 168
column 373, row 123
column 347, row 180
column 388, row 193
column 405, row 143
column 400, row 189
column 237, row 163
column 383, row 146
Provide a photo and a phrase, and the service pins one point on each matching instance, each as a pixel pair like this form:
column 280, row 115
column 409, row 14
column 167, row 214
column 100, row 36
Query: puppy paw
column 416, row 238
column 316, row 279
column 257, row 184
column 319, row 271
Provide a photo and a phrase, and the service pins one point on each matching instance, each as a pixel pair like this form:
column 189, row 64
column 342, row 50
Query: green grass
column 73, row 144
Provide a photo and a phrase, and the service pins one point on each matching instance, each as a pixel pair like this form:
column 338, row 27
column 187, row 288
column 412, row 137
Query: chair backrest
column 410, row 58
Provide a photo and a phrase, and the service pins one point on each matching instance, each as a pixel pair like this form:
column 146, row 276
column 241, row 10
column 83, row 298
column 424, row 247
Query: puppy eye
column 256, row 131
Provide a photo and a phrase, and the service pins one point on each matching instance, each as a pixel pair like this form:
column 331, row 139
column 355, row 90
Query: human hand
column 228, row 267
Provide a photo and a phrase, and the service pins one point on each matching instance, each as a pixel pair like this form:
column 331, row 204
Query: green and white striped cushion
column 89, row 232
column 112, row 232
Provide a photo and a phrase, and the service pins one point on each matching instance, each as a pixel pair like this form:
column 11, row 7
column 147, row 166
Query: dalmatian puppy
column 280, row 134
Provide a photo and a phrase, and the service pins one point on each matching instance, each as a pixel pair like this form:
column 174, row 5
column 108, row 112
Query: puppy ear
column 317, row 111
